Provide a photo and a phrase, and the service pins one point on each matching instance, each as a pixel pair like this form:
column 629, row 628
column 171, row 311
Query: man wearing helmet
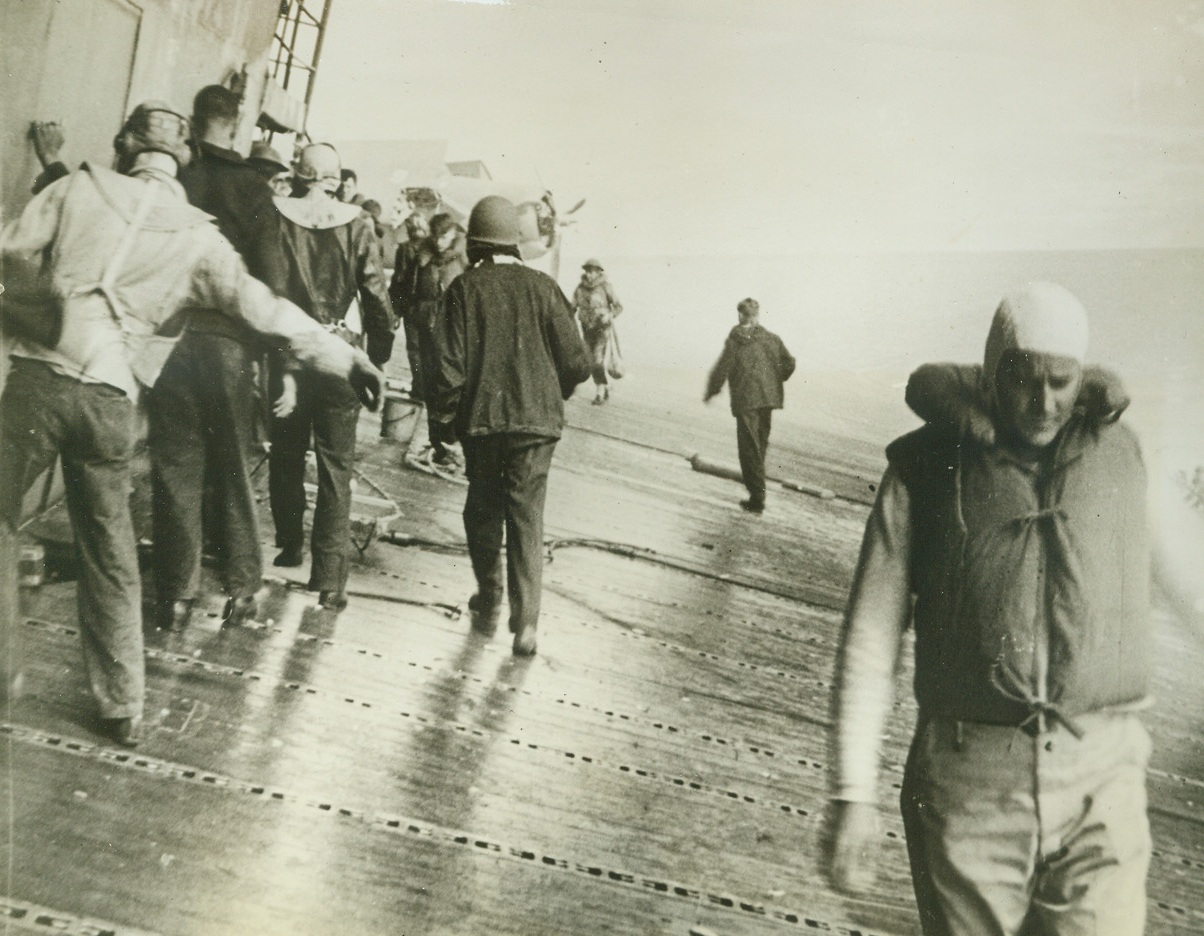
column 333, row 261
column 597, row 307
column 115, row 258
column 510, row 354
column 1014, row 539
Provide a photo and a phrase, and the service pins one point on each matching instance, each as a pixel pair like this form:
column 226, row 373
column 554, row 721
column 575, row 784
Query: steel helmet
column 494, row 220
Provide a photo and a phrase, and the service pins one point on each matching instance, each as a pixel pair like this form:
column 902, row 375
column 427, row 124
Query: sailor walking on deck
column 333, row 260
column 509, row 355
column 597, row 306
column 1018, row 525
column 439, row 260
column 111, row 258
column 202, row 409
column 754, row 364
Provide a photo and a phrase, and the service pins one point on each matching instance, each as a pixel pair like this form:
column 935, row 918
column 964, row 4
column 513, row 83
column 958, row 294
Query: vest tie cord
column 1041, row 711
column 1067, row 600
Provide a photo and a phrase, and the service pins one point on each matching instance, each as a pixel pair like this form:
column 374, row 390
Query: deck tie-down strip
column 403, row 825
column 34, row 918
column 643, row 773
column 759, row 750
column 659, row 724
column 407, row 826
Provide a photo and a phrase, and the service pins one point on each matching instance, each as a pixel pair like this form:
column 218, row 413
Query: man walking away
column 509, row 355
column 118, row 258
column 202, row 409
column 755, row 364
column 333, row 258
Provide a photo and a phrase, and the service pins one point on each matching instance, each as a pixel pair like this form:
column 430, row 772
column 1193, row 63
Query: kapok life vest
column 1006, row 554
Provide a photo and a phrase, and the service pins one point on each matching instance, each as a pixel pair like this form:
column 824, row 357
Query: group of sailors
column 1010, row 531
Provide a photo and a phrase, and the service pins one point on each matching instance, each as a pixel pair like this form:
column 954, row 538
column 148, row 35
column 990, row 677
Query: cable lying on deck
column 619, row 549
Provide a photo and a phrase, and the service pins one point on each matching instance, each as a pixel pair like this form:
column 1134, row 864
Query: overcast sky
column 760, row 126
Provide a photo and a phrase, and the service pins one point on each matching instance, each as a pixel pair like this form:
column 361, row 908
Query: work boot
column 289, row 557
column 174, row 615
column 125, row 731
column 332, row 600
column 753, row 506
column 524, row 641
column 485, row 614
column 240, row 610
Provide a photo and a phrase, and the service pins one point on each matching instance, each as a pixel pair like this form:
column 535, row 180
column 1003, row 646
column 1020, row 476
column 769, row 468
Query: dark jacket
column 756, row 364
column 329, row 267
column 401, row 284
column 431, row 273
column 221, row 183
column 509, row 353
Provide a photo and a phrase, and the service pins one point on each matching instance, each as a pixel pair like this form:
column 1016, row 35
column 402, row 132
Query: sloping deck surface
column 658, row 768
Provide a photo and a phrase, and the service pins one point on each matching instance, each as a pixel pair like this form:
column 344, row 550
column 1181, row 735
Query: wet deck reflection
column 659, row 766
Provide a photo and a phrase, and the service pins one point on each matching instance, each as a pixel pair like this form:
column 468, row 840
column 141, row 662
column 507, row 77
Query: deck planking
column 659, row 766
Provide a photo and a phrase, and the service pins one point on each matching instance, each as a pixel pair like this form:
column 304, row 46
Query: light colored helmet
column 319, row 165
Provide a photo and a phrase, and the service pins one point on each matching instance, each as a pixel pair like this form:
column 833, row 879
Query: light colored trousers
column 1012, row 834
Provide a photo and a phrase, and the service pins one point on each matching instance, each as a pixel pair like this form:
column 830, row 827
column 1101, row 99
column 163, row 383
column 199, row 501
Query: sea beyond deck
column 660, row 767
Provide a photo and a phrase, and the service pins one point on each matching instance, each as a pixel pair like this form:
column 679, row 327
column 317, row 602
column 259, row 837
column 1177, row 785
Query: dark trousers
column 428, row 363
column 507, row 485
column 44, row 415
column 327, row 409
column 201, row 413
column 596, row 340
column 752, row 441
column 414, row 356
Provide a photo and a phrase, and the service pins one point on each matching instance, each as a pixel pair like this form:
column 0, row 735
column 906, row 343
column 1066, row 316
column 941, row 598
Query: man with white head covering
column 1018, row 526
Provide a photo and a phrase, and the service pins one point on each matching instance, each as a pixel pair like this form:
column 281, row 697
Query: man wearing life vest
column 1021, row 535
